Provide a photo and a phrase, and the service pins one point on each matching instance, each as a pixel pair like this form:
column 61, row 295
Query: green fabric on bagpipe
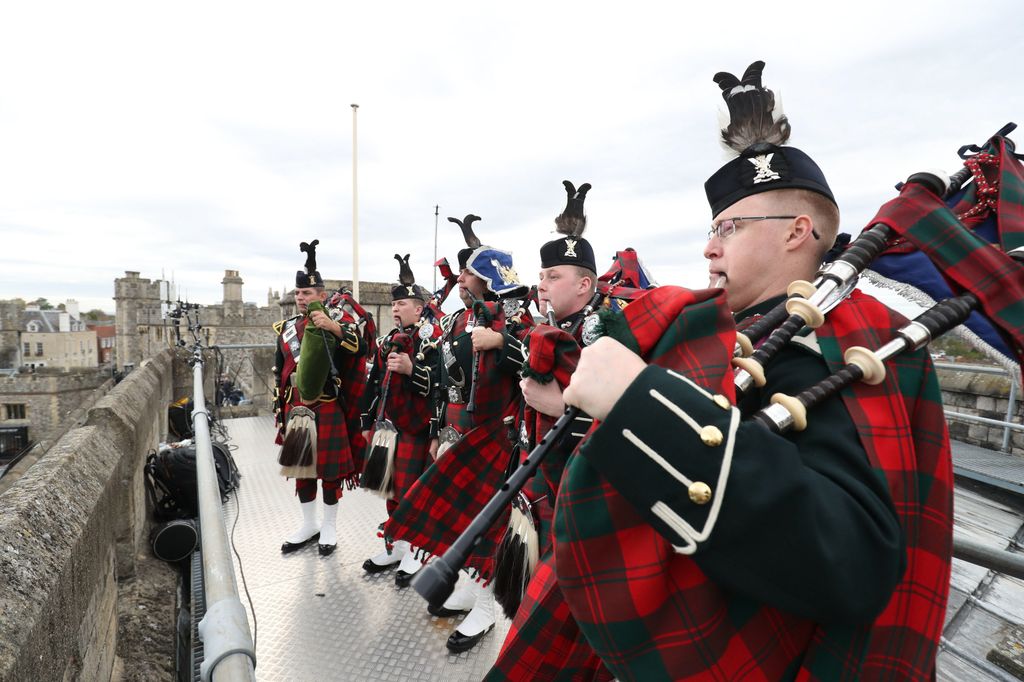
column 317, row 350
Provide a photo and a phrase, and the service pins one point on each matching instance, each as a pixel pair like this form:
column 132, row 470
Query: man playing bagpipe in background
column 397, row 410
column 481, row 356
column 692, row 544
column 320, row 368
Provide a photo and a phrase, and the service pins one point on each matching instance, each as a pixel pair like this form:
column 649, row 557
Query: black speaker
column 174, row 540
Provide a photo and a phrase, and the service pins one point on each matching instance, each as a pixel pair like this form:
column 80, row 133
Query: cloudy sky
column 194, row 137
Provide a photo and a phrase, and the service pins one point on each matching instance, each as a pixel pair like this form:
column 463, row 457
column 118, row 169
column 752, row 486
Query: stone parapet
column 70, row 528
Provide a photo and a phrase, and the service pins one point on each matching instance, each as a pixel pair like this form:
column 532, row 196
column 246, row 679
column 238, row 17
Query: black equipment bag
column 171, row 480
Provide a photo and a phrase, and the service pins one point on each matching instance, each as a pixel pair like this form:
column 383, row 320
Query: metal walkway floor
column 324, row 618
column 991, row 467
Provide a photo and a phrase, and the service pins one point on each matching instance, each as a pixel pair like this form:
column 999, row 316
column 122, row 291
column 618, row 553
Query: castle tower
column 232, row 294
column 136, row 308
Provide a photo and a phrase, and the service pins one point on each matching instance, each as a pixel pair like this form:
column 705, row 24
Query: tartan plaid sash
column 642, row 607
column 903, row 429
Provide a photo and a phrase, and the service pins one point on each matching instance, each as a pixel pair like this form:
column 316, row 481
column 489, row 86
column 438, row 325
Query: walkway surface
column 324, row 618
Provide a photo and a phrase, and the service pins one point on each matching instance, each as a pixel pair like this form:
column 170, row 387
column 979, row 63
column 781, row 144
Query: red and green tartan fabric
column 651, row 613
column 450, row 494
column 554, row 354
column 968, row 262
column 408, row 410
column 339, row 441
column 453, row 490
column 412, row 457
column 903, row 429
column 544, row 642
column 352, row 373
column 410, row 413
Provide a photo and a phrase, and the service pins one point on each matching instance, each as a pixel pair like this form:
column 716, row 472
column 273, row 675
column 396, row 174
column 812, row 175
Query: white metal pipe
column 355, row 210
column 228, row 650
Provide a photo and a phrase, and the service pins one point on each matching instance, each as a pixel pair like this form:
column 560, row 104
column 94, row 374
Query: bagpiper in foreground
column 692, row 544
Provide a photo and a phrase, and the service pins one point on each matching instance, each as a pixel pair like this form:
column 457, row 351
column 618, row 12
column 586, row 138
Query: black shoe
column 458, row 642
column 326, row 550
column 289, row 547
column 442, row 612
column 402, row 578
column 371, row 567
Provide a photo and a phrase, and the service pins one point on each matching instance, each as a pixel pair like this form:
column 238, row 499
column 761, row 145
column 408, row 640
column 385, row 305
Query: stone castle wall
column 70, row 529
column 142, row 331
column 49, row 399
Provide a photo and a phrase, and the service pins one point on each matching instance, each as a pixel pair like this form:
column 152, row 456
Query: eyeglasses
column 724, row 229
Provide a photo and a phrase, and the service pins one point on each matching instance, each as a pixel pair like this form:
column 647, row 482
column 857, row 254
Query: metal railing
column 1007, row 423
column 1003, row 561
column 228, row 648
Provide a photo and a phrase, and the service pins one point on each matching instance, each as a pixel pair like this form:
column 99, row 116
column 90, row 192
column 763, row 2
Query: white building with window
column 56, row 338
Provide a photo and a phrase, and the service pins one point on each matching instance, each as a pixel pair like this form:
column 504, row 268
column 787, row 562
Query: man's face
column 562, row 288
column 406, row 311
column 304, row 296
column 471, row 287
column 749, row 264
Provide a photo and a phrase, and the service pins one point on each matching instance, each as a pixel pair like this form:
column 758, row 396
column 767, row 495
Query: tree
column 42, row 303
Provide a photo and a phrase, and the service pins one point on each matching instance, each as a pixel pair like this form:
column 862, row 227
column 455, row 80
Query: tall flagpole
column 355, row 210
column 435, row 245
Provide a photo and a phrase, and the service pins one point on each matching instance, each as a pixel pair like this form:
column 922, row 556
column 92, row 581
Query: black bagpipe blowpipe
column 435, row 581
column 808, row 302
column 481, row 312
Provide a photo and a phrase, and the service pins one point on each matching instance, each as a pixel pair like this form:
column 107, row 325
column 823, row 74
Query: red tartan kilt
column 645, row 587
column 412, row 457
column 544, row 642
column 451, row 492
column 334, row 458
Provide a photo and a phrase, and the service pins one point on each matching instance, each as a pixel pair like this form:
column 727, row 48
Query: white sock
column 328, row 529
column 410, row 564
column 397, row 554
column 309, row 525
column 482, row 616
column 463, row 598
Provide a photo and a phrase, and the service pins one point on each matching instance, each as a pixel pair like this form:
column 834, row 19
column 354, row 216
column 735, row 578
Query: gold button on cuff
column 722, row 401
column 700, row 492
column 711, row 436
